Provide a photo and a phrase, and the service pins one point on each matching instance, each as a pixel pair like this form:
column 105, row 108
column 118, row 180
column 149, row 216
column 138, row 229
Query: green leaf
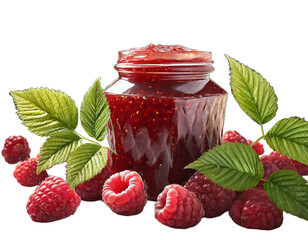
column 252, row 92
column 94, row 112
column 290, row 137
column 84, row 163
column 289, row 192
column 233, row 166
column 57, row 148
column 45, row 111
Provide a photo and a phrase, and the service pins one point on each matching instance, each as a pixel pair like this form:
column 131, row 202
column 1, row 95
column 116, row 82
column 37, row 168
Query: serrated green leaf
column 252, row 92
column 290, row 137
column 84, row 163
column 57, row 148
column 233, row 166
column 94, row 112
column 289, row 192
column 45, row 111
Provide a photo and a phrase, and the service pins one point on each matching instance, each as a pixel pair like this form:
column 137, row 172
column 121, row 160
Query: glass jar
column 165, row 112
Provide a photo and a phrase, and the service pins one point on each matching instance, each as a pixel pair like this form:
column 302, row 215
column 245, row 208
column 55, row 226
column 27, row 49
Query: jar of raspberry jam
column 165, row 112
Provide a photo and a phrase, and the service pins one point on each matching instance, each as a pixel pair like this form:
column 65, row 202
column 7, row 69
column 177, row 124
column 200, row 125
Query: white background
column 66, row 45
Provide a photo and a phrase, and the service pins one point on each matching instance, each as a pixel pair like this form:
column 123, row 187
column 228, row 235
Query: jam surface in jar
column 165, row 112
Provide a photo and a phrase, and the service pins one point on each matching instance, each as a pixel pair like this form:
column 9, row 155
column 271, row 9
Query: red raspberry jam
column 165, row 112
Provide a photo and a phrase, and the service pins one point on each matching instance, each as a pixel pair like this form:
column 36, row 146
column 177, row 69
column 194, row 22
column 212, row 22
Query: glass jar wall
column 165, row 112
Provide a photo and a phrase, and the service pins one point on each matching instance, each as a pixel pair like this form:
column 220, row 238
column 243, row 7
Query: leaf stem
column 111, row 150
column 263, row 135
column 83, row 137
column 262, row 129
column 257, row 140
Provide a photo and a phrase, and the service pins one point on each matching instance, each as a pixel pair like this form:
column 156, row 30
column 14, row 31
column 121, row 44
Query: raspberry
column 258, row 147
column 25, row 173
column 301, row 168
column 283, row 162
column 269, row 168
column 16, row 149
column 253, row 209
column 52, row 200
column 233, row 136
column 124, row 193
column 178, row 208
column 214, row 199
column 274, row 162
column 279, row 160
column 91, row 190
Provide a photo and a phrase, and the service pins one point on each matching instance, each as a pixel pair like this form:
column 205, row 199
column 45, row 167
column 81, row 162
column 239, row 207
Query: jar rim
column 164, row 59
column 163, row 54
column 156, row 65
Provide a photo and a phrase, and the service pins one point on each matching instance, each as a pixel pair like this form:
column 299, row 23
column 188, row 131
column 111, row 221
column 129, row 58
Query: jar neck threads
column 170, row 71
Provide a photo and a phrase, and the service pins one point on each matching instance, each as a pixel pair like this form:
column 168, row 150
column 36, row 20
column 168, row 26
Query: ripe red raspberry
column 124, row 193
column 25, row 173
column 269, row 168
column 258, row 147
column 52, row 200
column 301, row 168
column 233, row 136
column 178, row 208
column 16, row 149
column 91, row 190
column 283, row 162
column 274, row 162
column 214, row 199
column 279, row 160
column 253, row 209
